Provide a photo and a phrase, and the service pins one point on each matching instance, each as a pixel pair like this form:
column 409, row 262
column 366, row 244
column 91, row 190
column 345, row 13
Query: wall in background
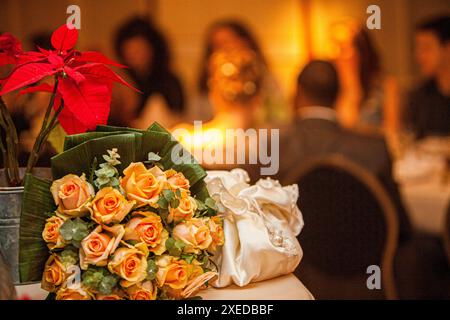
column 99, row 18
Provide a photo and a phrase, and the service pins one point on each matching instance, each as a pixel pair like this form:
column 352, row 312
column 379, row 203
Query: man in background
column 317, row 133
column 428, row 109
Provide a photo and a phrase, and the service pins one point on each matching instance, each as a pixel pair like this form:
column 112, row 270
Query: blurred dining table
column 427, row 205
column 423, row 175
column 286, row 287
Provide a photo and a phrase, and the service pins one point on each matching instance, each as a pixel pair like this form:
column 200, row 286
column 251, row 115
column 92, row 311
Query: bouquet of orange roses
column 139, row 230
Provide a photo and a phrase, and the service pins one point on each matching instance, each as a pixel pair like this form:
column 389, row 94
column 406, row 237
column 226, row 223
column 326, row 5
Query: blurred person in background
column 142, row 48
column 234, row 89
column 428, row 108
column 317, row 133
column 369, row 97
column 230, row 35
column 234, row 82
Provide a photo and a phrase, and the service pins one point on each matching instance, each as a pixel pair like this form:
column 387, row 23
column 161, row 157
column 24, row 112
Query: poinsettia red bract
column 84, row 78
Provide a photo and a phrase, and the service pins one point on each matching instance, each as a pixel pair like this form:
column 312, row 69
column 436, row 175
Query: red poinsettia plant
column 81, row 91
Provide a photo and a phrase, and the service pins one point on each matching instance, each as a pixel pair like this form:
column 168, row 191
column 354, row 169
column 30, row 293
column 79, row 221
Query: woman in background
column 141, row 47
column 234, row 90
column 229, row 35
column 369, row 97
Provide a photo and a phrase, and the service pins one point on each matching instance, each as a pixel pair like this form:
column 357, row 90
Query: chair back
column 350, row 224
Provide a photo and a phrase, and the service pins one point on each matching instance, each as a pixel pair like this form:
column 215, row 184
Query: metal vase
column 10, row 210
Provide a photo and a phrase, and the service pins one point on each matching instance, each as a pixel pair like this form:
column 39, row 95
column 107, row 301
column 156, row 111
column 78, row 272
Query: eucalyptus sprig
column 174, row 247
column 207, row 208
column 152, row 269
column 69, row 256
column 99, row 279
column 154, row 159
column 108, row 175
column 74, row 231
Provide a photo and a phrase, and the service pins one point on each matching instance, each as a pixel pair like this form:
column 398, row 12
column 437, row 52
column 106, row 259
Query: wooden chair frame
column 446, row 235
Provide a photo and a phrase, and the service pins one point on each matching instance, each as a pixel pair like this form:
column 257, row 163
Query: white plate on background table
column 416, row 166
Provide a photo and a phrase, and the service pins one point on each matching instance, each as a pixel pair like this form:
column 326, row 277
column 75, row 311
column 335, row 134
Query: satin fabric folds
column 261, row 223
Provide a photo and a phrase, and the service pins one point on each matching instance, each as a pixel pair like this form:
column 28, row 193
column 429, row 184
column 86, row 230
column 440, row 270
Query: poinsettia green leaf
column 56, row 138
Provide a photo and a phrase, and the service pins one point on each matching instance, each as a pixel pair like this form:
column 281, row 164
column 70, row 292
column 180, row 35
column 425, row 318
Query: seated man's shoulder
column 367, row 139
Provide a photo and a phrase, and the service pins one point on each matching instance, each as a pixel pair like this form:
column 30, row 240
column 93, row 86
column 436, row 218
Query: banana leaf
column 76, row 139
column 33, row 252
column 193, row 171
column 79, row 159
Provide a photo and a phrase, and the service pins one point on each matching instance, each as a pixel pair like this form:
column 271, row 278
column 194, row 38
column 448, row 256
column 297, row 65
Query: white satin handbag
column 261, row 223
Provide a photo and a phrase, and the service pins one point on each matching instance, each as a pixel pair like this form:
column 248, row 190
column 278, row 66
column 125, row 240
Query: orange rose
column 111, row 296
column 54, row 274
column 172, row 272
column 51, row 233
column 72, row 294
column 98, row 246
column 72, row 195
column 194, row 233
column 215, row 226
column 184, row 211
column 130, row 263
column 142, row 291
column 177, row 180
column 194, row 270
column 142, row 184
column 110, row 206
column 147, row 227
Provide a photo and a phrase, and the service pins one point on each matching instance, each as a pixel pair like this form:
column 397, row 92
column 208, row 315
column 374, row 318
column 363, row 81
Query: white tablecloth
column 282, row 288
column 426, row 203
column 422, row 174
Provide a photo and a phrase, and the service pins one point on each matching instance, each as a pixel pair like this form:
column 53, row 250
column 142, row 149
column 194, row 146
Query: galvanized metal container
column 10, row 209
